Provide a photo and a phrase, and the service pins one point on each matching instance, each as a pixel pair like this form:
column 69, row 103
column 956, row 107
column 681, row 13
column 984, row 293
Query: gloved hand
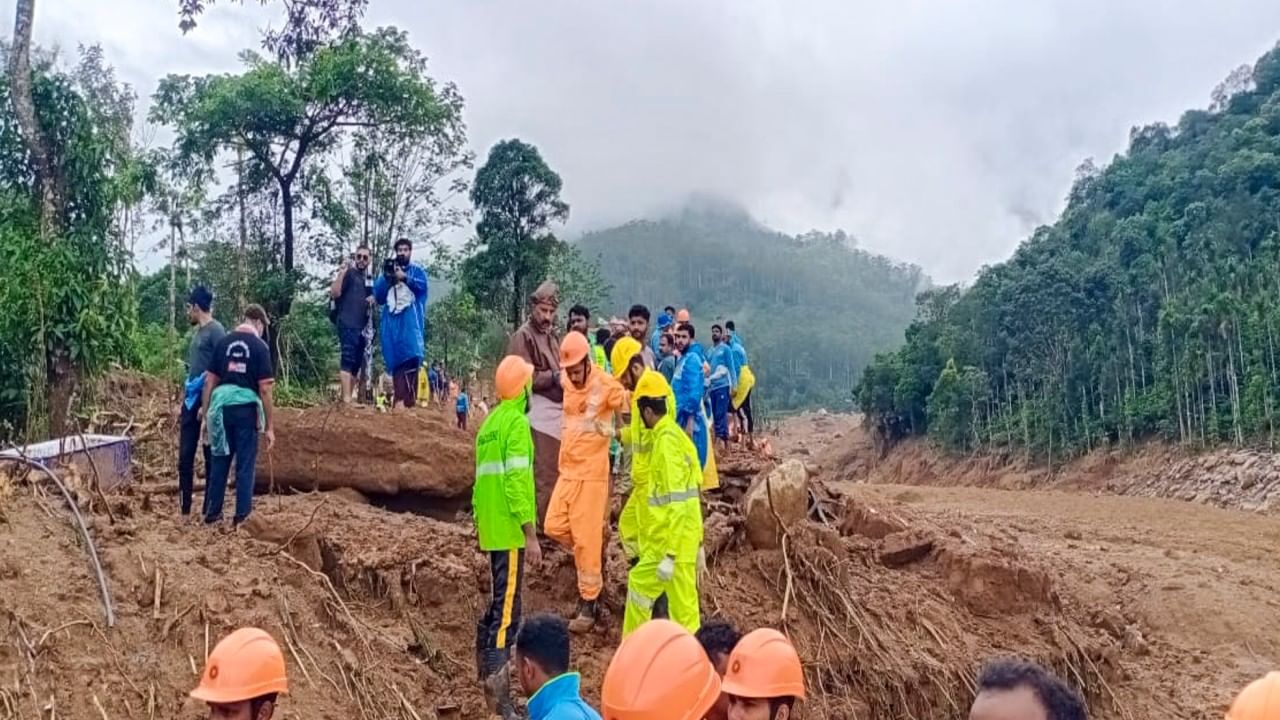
column 667, row 569
column 702, row 561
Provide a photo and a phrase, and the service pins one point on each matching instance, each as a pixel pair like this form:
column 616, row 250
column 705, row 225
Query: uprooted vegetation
column 892, row 613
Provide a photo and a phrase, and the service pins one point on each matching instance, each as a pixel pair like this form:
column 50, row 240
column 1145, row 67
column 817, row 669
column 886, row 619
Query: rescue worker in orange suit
column 536, row 342
column 243, row 677
column 659, row 672
column 504, row 505
column 764, row 679
column 1259, row 700
column 579, row 505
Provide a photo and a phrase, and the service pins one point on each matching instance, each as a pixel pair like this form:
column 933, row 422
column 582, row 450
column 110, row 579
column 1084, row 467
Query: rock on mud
column 865, row 521
column 992, row 584
column 789, row 485
column 904, row 548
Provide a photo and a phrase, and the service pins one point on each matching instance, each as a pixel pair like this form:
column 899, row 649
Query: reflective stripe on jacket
column 503, row 497
column 673, row 508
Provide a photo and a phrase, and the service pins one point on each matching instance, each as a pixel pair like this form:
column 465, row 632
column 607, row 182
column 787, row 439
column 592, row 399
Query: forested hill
column 1151, row 307
column 813, row 310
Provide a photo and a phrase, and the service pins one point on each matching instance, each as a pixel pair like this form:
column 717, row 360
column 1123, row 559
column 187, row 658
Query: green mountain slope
column 812, row 310
column 1152, row 306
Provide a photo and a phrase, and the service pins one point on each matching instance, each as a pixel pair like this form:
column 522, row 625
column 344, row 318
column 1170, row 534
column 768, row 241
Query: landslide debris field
column 894, row 593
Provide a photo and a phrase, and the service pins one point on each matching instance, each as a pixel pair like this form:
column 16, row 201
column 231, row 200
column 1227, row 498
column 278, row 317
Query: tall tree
column 283, row 115
column 48, row 175
column 308, row 24
column 64, row 308
column 518, row 197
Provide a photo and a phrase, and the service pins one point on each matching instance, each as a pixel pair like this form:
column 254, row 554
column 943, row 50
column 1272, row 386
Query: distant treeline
column 813, row 310
column 1150, row 308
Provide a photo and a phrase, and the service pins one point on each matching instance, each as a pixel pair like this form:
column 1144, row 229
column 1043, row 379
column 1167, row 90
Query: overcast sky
column 935, row 131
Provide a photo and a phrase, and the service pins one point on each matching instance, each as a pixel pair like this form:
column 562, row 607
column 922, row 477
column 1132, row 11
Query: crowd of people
column 662, row 672
column 636, row 407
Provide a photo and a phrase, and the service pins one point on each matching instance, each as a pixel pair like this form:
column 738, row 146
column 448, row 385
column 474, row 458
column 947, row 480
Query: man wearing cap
column 664, row 323
column 536, row 342
column 352, row 296
column 243, row 677
column 199, row 357
column 670, row 527
column 504, row 503
column 579, row 505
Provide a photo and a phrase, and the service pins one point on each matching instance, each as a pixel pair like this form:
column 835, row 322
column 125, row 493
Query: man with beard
column 537, row 343
column 352, row 295
column 638, row 324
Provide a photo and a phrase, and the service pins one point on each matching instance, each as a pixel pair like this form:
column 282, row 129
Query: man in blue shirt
column 723, row 380
column 463, row 407
column 542, row 663
column 689, row 385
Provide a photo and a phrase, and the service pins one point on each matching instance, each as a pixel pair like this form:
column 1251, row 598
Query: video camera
column 390, row 264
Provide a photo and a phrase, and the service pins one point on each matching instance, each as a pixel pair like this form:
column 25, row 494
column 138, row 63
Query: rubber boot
column 586, row 618
column 497, row 685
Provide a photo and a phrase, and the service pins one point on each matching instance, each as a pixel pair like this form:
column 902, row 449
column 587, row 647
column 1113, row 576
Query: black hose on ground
column 84, row 531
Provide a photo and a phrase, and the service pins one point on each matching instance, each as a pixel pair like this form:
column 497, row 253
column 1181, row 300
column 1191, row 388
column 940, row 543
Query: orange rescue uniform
column 579, row 504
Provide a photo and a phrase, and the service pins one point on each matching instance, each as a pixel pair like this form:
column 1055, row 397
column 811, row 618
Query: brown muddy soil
column 894, row 595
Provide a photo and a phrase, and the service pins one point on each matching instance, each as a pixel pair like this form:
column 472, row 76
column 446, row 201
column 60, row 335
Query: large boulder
column 788, row 484
column 415, row 452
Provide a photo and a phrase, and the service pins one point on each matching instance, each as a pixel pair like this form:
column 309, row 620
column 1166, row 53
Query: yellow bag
column 746, row 381
column 424, row 389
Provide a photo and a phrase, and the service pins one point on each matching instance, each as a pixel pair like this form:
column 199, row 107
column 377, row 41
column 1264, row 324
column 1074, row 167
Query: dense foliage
column 67, row 310
column 1148, row 309
column 812, row 309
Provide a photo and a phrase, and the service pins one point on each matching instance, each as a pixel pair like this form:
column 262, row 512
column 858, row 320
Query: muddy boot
column 497, row 685
column 586, row 618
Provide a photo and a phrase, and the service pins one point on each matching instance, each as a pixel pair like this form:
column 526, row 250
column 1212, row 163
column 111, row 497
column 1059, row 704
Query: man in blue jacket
column 723, row 380
column 542, row 662
column 401, row 290
column 689, row 385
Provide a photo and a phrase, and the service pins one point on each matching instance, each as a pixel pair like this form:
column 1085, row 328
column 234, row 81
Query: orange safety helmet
column 244, row 665
column 573, row 349
column 1259, row 700
column 512, row 377
column 682, row 315
column 659, row 672
column 764, row 664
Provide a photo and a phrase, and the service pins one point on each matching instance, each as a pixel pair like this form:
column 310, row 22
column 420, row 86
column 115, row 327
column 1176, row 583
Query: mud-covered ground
column 894, row 594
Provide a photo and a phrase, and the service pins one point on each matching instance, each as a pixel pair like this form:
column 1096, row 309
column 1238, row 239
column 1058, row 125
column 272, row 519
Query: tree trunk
column 172, row 333
column 241, row 269
column 515, row 300
column 24, row 109
column 61, row 373
column 286, row 201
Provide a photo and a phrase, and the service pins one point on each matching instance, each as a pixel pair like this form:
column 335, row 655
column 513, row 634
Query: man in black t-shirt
column 352, row 294
column 237, row 405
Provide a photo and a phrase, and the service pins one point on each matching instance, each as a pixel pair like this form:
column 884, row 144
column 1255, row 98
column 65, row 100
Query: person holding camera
column 401, row 290
column 352, row 298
